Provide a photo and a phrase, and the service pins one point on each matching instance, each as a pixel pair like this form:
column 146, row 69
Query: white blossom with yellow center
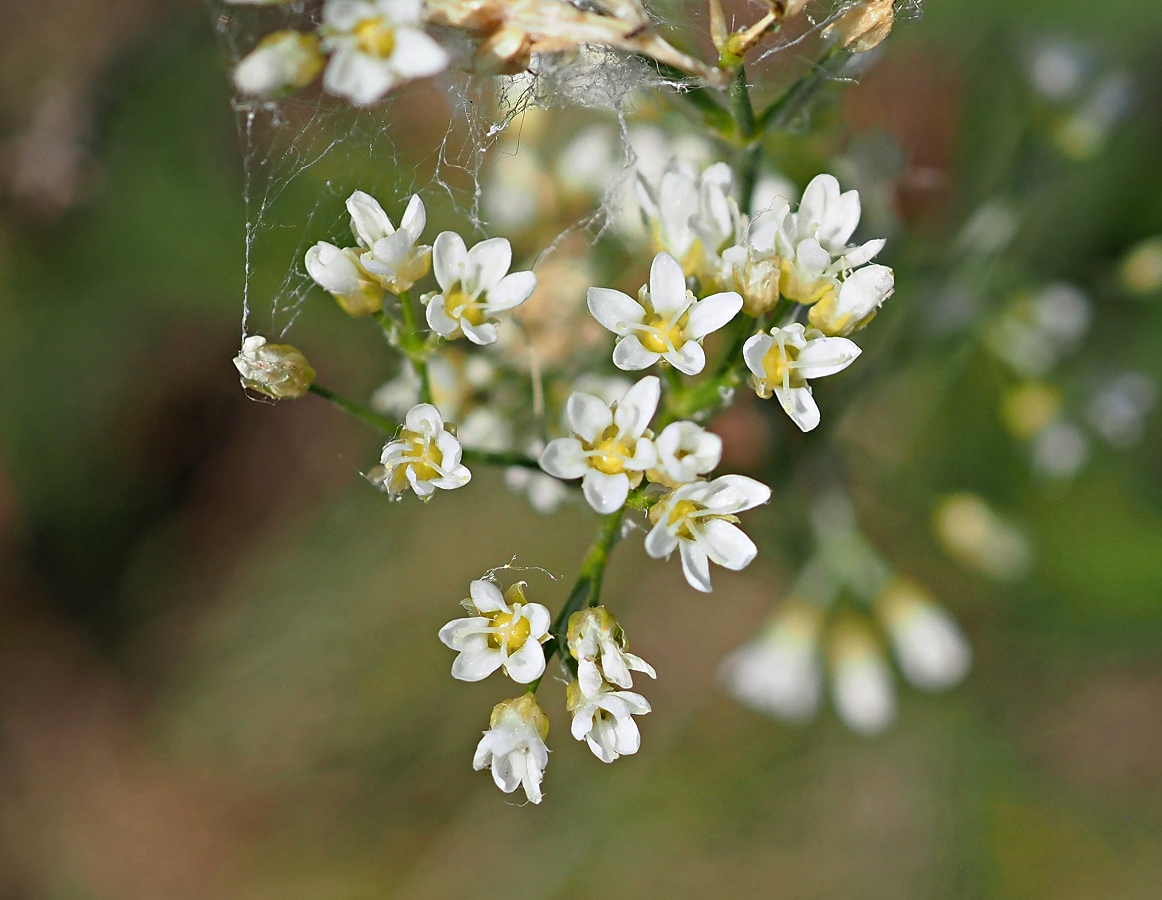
column 610, row 448
column 783, row 361
column 514, row 746
column 375, row 45
column 686, row 451
column 604, row 719
column 665, row 322
column 474, row 285
column 423, row 457
column 281, row 62
column 699, row 521
column 598, row 644
column 503, row 631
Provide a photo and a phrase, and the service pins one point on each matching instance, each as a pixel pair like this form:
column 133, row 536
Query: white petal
column 456, row 632
column 864, row 252
column 332, row 269
column 588, row 416
column 424, row 418
column 449, row 256
column 800, row 406
column 512, row 290
column 476, row 666
column 360, row 78
column 735, row 493
column 416, row 55
column 690, row 359
column 614, row 310
column 415, row 218
column 582, row 722
column 727, row 544
column 645, row 456
column 486, row 596
column 817, row 196
column 630, row 355
column 564, row 458
column 369, row 223
column 754, row 351
column 605, row 493
column 629, row 738
column 483, row 334
column 841, row 222
column 865, row 290
column 527, row 664
column 486, row 264
column 695, row 566
column 539, row 620
column 811, row 258
column 660, row 543
column 826, row 356
column 667, row 285
column 713, row 312
column 638, row 405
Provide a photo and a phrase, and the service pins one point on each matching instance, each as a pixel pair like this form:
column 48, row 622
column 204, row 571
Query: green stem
column 587, row 589
column 780, row 112
column 415, row 345
column 714, row 114
column 750, row 151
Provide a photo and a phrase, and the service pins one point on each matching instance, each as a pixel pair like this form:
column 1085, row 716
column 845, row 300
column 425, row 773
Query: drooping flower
column 598, row 643
column 686, row 451
column 861, row 294
column 375, row 45
column 861, row 683
column 693, row 218
column 699, row 520
column 278, row 370
column 929, row 646
column 783, row 361
column 780, row 672
column 514, row 746
column 611, row 447
column 604, row 720
column 666, row 322
column 474, row 286
column 502, row 631
column 282, row 61
column 423, row 456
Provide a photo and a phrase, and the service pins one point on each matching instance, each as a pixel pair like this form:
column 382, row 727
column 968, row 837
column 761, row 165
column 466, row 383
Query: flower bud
column 756, row 278
column 864, row 26
column 930, row 647
column 281, row 62
column 279, row 371
column 861, row 686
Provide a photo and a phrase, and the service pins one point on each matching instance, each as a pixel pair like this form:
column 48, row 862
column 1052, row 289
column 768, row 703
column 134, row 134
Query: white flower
column 503, row 631
column 830, row 218
column 861, row 683
column 666, row 322
column 783, row 361
column 861, row 294
column 685, row 452
column 779, row 672
column 424, row 456
column 474, row 286
column 693, row 218
column 931, row 649
column 338, row 272
column 698, row 519
column 611, row 448
column 393, row 256
column 485, row 428
column 281, row 62
column 604, row 720
column 278, row 370
column 375, row 45
column 514, row 746
column 599, row 645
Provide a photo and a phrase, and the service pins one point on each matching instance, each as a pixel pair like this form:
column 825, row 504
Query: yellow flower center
column 375, row 37
column 678, row 514
column 462, row 306
column 422, row 456
column 510, row 628
column 609, row 452
column 779, row 369
column 804, row 292
column 662, row 335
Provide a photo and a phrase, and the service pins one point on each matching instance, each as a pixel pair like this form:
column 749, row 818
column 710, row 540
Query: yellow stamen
column 610, row 452
column 375, row 37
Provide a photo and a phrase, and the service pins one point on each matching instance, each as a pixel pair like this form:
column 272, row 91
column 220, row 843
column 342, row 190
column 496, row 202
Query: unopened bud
column 864, row 26
column 279, row 371
column 283, row 61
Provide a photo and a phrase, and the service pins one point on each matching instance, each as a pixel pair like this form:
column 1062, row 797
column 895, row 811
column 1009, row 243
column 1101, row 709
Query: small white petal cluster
column 502, row 631
column 861, row 682
column 282, row 61
column 699, row 520
column 929, row 646
column 423, row 456
column 386, row 259
column 474, row 285
column 374, row 46
column 602, row 706
column 665, row 322
column 514, row 746
column 783, row 361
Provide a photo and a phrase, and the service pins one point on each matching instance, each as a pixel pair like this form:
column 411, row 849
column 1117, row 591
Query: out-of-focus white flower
column 604, row 720
column 780, row 672
column 279, row 371
column 665, row 322
column 1117, row 410
column 281, row 62
column 692, row 218
column 971, row 532
column 685, row 452
column 783, row 361
column 502, row 631
column 1141, row 268
column 699, row 521
column 1035, row 331
column 611, row 447
column 930, row 647
column 516, row 189
column 861, row 683
column 1030, row 407
column 474, row 285
column 862, row 293
column 374, row 46
column 514, row 746
column 1083, row 133
column 1057, row 70
column 988, row 230
column 545, row 493
column 1060, row 450
column 485, row 428
column 424, row 456
column 598, row 643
